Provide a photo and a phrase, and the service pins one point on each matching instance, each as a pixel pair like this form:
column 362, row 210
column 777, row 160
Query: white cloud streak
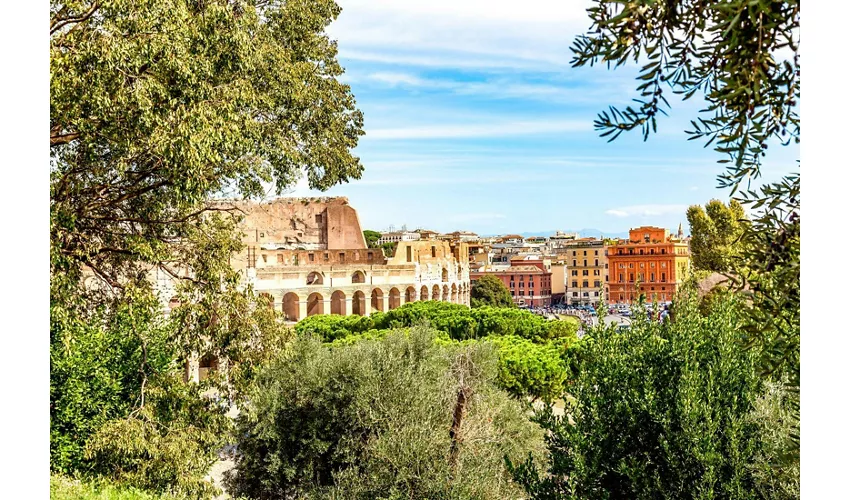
column 647, row 210
column 471, row 130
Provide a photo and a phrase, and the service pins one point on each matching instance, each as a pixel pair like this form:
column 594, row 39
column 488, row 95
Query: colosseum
column 308, row 256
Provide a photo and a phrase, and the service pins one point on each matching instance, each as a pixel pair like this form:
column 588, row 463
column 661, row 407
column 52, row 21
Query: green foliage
column 458, row 321
column 727, row 53
column 716, row 233
column 490, row 291
column 531, row 370
column 663, row 411
column 371, row 238
column 389, row 248
column 64, row 488
column 372, row 420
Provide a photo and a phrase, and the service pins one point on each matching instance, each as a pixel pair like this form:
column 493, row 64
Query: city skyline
column 475, row 120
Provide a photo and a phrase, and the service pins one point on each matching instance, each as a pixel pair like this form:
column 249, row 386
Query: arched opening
column 445, row 293
column 435, row 292
column 445, row 274
column 358, row 277
column 454, row 293
column 377, row 300
column 267, row 300
column 423, row 294
column 314, row 278
column 409, row 295
column 358, row 303
column 290, row 307
column 207, row 366
column 338, row 302
column 395, row 298
column 315, row 304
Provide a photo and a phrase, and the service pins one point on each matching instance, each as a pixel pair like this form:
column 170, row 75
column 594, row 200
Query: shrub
column 531, row 370
column 372, row 420
column 661, row 411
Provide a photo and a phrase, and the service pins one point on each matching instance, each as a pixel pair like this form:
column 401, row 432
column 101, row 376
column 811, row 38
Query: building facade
column 529, row 282
column 396, row 236
column 651, row 262
column 587, row 271
column 308, row 256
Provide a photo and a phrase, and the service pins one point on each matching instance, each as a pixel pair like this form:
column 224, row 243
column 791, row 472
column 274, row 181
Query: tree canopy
column 490, row 291
column 716, row 234
column 371, row 238
column 156, row 107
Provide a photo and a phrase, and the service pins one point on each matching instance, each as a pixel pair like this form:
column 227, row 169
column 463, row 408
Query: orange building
column 651, row 262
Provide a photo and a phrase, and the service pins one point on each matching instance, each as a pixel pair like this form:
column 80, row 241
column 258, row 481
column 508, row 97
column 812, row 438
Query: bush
column 661, row 411
column 458, row 321
column 64, row 488
column 531, row 370
column 372, row 420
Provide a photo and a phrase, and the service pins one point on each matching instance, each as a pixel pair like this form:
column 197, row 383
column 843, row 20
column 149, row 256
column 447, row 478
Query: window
column 597, row 284
column 342, row 257
column 652, row 264
column 512, row 277
column 663, row 277
column 584, row 272
column 369, row 256
column 632, row 277
column 575, row 272
column 433, row 251
column 575, row 294
column 622, row 266
column 327, row 256
column 311, row 257
column 641, row 265
column 596, row 252
column 586, row 294
column 640, row 276
column 279, row 259
column 318, row 218
column 574, row 263
column 521, row 284
column 652, row 277
column 585, row 262
column 530, row 284
column 574, row 254
column 651, row 251
column 621, row 277
column 631, row 265
column 596, row 262
column 596, row 272
column 596, row 294
column 409, row 254
column 584, row 284
column 663, row 265
column 663, row 250
column 575, row 284
column 585, row 252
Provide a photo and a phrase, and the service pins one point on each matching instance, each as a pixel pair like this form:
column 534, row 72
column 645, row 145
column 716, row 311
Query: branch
column 59, row 23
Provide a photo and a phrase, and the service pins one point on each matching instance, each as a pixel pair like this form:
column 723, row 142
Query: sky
column 476, row 121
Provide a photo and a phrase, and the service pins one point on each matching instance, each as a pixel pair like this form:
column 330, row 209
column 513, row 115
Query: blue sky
column 475, row 120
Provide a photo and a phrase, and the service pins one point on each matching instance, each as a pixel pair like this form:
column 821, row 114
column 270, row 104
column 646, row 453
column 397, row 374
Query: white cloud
column 647, row 210
column 459, row 130
column 540, row 32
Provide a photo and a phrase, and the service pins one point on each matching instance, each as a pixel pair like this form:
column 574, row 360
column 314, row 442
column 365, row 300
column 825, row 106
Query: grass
column 64, row 488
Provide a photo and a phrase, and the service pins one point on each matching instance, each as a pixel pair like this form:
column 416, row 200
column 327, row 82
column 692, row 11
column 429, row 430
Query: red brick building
column 651, row 262
column 528, row 280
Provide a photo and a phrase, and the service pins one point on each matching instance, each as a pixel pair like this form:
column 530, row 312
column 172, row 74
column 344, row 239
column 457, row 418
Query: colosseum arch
column 377, row 299
column 315, row 304
column 435, row 293
column 423, row 294
column 358, row 277
column 338, row 302
column 454, row 293
column 290, row 307
column 410, row 295
column 314, row 278
column 445, row 275
column 445, row 293
column 395, row 298
column 358, row 303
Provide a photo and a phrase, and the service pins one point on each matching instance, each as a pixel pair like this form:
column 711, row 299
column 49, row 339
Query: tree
column 381, row 419
column 371, row 238
column 742, row 58
column 716, row 234
column 156, row 107
column 389, row 248
column 674, row 410
column 490, row 291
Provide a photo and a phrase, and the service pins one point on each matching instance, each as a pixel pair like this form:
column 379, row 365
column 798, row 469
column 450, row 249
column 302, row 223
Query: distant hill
column 584, row 233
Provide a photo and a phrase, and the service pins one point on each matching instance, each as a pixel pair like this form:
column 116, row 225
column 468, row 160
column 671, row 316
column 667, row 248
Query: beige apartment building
column 587, row 271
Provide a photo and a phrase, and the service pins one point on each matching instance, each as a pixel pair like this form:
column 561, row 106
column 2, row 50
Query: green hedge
column 458, row 321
